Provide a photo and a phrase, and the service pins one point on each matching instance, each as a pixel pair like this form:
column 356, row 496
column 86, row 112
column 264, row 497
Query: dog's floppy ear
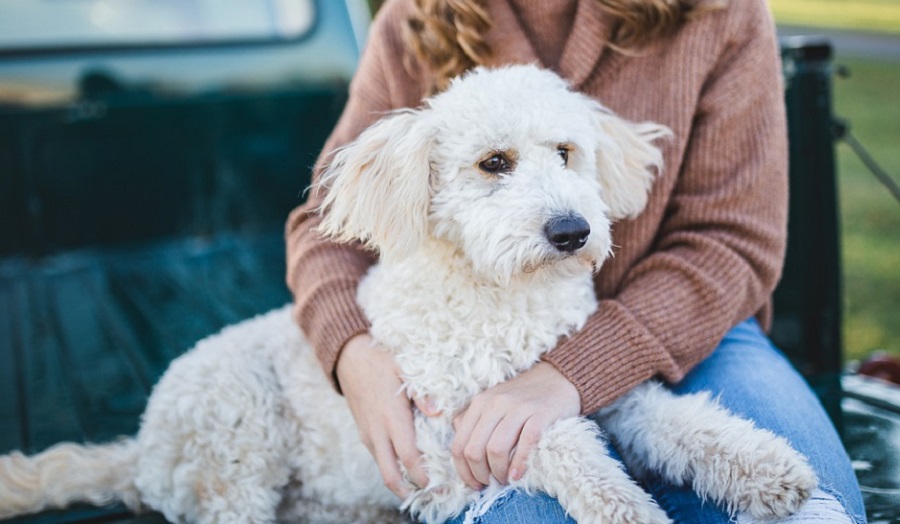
column 378, row 187
column 627, row 161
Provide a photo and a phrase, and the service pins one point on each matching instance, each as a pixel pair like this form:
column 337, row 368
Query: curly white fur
column 469, row 292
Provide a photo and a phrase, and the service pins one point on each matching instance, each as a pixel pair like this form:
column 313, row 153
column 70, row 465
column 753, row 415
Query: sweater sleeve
column 323, row 276
column 719, row 251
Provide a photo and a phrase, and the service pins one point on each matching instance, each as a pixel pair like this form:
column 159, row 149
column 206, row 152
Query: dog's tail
column 67, row 473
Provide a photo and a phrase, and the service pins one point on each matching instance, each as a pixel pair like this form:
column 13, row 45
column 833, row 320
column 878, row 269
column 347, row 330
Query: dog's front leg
column 572, row 463
column 446, row 494
column 726, row 458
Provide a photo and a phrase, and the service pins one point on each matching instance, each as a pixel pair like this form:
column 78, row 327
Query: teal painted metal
column 807, row 323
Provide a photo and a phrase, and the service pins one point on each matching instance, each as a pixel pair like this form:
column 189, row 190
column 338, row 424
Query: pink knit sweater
column 705, row 254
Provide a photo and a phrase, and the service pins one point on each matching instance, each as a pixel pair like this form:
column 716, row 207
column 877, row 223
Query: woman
column 690, row 285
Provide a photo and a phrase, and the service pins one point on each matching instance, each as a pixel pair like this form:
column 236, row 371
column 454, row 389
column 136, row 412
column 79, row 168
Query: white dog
column 490, row 207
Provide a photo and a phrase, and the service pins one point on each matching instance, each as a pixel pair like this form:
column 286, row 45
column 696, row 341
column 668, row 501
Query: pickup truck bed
column 84, row 336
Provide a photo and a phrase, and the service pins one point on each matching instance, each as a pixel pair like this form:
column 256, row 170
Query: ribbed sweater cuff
column 610, row 356
column 335, row 319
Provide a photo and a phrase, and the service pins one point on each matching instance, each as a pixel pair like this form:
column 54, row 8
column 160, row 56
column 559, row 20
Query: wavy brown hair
column 447, row 36
column 640, row 22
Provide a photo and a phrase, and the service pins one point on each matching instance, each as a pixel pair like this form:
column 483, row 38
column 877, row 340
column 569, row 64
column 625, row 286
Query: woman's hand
column 502, row 425
column 369, row 380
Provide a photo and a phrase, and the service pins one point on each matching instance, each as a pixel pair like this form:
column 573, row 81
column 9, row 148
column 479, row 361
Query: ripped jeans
column 753, row 379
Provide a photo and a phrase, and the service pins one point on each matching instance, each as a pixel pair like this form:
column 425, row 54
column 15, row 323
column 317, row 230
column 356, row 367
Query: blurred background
column 866, row 38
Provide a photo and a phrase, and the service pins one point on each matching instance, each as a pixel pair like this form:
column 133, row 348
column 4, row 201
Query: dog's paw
column 612, row 501
column 778, row 486
column 768, row 481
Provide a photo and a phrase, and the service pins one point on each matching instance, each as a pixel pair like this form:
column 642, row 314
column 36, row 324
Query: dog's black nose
column 567, row 233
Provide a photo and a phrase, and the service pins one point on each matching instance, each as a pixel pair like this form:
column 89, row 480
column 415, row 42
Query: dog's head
column 508, row 165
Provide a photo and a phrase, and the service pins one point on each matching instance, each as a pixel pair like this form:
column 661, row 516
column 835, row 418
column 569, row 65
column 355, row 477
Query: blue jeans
column 753, row 379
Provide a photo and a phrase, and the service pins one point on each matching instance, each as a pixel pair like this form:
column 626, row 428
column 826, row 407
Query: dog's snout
column 567, row 233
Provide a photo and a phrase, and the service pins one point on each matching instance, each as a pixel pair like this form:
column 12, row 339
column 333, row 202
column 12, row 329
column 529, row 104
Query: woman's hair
column 447, row 36
column 643, row 21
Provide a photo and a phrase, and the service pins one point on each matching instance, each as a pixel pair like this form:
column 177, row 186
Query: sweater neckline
column 585, row 45
column 548, row 25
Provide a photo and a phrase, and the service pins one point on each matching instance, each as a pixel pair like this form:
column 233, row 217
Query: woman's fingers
column 427, row 406
column 486, row 434
column 389, row 467
column 403, row 440
column 529, row 436
column 464, row 424
column 384, row 418
column 503, row 443
column 502, row 425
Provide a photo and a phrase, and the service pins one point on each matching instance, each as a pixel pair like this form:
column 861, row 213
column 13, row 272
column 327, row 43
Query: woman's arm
column 323, row 276
column 719, row 250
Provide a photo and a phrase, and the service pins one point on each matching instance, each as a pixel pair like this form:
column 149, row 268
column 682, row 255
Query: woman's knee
column 821, row 508
column 752, row 379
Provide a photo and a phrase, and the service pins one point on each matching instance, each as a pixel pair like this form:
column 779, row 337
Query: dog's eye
column 496, row 163
column 564, row 154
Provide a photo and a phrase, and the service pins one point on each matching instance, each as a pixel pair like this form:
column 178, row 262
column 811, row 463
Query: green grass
column 866, row 15
column 870, row 217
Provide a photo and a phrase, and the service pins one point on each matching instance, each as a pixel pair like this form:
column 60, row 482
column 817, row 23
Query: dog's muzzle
column 567, row 233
